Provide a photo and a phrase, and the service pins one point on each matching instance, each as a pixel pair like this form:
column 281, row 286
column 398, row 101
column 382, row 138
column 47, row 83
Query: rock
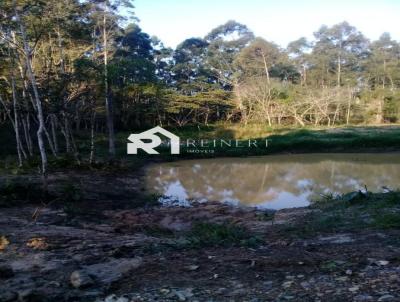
column 363, row 298
column 80, row 279
column 386, row 298
column 8, row 296
column 305, row 285
column 183, row 295
column 6, row 271
column 354, row 289
column 338, row 239
column 382, row 262
column 114, row 298
column 113, row 270
column 164, row 291
column 192, row 267
column 287, row 284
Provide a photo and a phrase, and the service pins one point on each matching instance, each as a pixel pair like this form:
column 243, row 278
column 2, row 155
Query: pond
column 273, row 182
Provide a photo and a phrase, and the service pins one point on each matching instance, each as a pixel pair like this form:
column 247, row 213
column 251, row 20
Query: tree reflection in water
column 275, row 182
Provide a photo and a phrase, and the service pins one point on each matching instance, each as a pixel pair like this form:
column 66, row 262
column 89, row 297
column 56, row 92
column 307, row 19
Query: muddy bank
column 110, row 246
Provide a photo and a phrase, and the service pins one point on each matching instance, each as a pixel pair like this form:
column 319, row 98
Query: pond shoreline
column 272, row 181
column 105, row 231
column 152, row 252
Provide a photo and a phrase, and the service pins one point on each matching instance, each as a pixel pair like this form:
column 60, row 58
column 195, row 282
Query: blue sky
column 280, row 21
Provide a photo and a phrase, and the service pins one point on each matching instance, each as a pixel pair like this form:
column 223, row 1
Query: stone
column 354, row 289
column 363, row 298
column 184, row 294
column 338, row 239
column 164, row 291
column 192, row 267
column 113, row 270
column 382, row 262
column 287, row 284
column 114, row 298
column 386, row 298
column 305, row 285
column 80, row 279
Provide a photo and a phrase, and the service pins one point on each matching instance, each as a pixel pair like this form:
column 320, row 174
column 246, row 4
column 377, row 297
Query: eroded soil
column 116, row 251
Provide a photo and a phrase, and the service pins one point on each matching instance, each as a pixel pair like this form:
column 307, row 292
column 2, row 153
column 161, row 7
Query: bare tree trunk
column 348, row 109
column 8, row 114
column 27, row 136
column 28, row 127
column 53, row 150
column 266, row 68
column 339, row 66
column 65, row 133
column 16, row 123
column 109, row 103
column 53, row 122
column 31, row 75
column 299, row 120
column 92, row 125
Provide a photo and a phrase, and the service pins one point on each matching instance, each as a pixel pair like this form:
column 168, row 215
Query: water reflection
column 274, row 182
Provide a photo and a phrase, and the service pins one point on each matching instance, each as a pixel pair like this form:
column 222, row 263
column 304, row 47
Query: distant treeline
column 73, row 65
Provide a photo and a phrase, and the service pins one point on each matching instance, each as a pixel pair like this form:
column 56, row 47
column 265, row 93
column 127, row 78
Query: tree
column 340, row 50
column 258, row 58
column 299, row 52
column 106, row 18
column 383, row 62
column 225, row 42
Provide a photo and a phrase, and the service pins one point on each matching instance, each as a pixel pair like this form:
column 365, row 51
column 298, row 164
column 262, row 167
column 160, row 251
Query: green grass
column 288, row 140
column 280, row 140
column 16, row 191
column 204, row 235
column 212, row 234
column 351, row 212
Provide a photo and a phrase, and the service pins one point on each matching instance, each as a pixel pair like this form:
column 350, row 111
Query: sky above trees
column 279, row 21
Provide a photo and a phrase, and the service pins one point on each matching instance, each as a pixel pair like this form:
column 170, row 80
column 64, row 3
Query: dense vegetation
column 72, row 66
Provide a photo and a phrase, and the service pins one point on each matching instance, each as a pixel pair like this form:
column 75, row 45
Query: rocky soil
column 107, row 249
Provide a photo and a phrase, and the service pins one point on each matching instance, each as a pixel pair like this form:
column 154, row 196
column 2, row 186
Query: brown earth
column 116, row 251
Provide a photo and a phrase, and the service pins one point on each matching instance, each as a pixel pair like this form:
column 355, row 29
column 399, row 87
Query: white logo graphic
column 138, row 143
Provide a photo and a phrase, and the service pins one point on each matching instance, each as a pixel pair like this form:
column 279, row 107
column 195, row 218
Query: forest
column 68, row 67
column 272, row 171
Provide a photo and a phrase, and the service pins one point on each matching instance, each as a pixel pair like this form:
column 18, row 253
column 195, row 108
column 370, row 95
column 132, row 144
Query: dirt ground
column 110, row 250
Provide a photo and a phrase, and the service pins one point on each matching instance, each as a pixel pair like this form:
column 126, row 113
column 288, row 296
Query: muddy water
column 273, row 182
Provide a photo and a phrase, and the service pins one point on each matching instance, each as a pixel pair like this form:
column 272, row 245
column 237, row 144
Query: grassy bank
column 351, row 212
column 280, row 140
